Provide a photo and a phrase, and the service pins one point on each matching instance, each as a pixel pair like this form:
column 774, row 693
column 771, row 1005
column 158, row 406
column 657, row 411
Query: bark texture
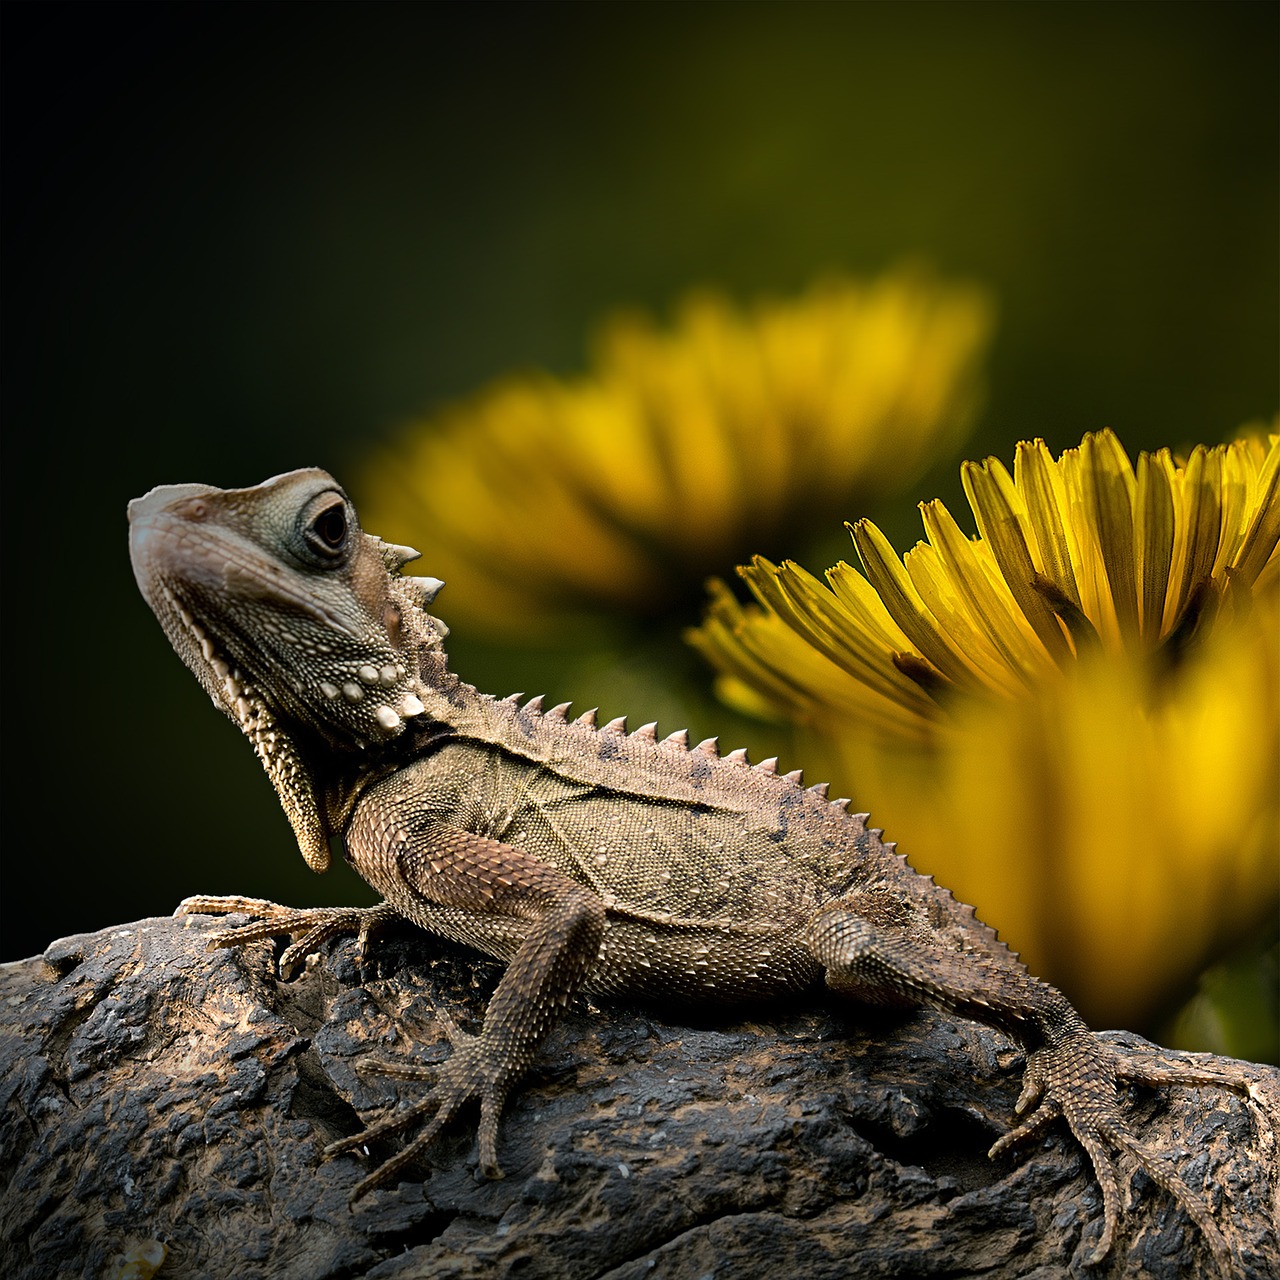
column 165, row 1105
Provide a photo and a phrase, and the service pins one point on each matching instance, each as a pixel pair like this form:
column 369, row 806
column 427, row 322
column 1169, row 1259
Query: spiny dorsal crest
column 677, row 742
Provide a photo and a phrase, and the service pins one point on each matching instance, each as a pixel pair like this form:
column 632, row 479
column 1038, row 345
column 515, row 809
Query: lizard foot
column 308, row 926
column 1076, row 1078
column 472, row 1072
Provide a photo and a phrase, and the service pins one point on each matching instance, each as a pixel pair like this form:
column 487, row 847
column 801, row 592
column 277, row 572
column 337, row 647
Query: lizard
column 588, row 858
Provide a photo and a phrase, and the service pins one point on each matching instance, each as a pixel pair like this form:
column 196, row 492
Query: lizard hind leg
column 1070, row 1072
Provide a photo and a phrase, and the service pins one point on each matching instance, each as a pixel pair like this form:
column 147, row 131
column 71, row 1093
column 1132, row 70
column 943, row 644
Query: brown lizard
column 587, row 858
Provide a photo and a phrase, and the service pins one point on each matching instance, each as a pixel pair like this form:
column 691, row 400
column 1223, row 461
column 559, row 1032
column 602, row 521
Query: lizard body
column 587, row 858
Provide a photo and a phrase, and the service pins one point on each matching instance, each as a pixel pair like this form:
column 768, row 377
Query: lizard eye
column 326, row 531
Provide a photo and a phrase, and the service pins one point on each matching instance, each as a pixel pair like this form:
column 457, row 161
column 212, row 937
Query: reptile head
column 289, row 616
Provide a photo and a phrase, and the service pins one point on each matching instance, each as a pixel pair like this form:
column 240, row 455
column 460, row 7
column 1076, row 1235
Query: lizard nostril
column 192, row 509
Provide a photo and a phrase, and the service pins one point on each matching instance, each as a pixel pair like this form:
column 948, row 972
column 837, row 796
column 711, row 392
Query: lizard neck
column 451, row 708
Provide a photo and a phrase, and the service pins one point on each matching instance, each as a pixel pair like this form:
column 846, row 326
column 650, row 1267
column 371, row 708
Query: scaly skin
column 588, row 859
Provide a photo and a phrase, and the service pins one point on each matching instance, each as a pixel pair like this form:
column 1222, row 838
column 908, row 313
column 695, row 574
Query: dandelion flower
column 1072, row 718
column 542, row 499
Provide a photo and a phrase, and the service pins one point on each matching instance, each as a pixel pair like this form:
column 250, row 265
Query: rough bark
column 156, row 1095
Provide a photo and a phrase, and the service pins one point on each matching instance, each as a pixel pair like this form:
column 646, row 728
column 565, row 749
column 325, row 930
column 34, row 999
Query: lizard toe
column 469, row 1075
column 1033, row 1088
column 389, row 1169
column 1044, row 1115
column 397, row 1070
column 1107, row 1174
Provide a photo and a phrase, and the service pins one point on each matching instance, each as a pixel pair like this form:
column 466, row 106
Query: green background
column 245, row 238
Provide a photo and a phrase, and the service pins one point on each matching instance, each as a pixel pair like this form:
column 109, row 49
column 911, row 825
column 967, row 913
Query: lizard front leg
column 1069, row 1073
column 307, row 926
column 476, row 889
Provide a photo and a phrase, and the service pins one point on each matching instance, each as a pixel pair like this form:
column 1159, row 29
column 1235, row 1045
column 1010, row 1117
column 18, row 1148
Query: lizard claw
column 1044, row 1110
column 1044, row 1115
column 1033, row 1087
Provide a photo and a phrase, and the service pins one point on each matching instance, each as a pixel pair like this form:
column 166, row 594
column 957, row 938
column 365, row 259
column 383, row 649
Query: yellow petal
column 992, row 610
column 1200, row 530
column 1154, row 500
column 1002, row 521
column 980, row 667
column 1259, row 542
column 889, row 576
column 1109, row 487
column 817, row 615
column 1045, row 497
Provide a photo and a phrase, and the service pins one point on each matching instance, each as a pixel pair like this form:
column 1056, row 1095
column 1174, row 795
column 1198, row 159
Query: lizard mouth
column 241, row 698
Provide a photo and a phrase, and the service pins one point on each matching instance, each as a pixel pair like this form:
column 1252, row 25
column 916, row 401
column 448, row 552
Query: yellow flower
column 543, row 498
column 1071, row 720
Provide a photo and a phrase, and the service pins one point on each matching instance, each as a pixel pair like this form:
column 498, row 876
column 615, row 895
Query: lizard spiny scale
column 664, row 876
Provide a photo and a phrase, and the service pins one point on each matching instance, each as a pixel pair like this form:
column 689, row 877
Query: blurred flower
column 683, row 450
column 1072, row 719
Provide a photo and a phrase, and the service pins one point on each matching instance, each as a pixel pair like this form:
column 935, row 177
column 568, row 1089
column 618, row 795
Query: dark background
column 243, row 238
